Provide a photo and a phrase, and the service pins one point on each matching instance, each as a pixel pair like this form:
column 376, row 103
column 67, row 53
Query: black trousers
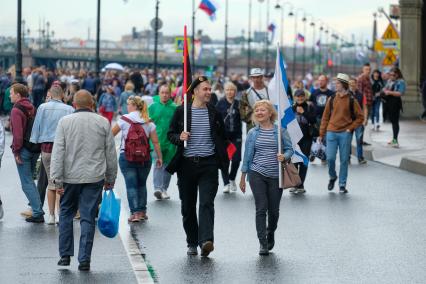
column 394, row 111
column 235, row 163
column 42, row 183
column 305, row 145
column 198, row 176
column 267, row 198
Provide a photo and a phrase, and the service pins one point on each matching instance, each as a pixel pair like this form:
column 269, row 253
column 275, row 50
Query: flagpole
column 193, row 36
column 184, row 85
column 280, row 166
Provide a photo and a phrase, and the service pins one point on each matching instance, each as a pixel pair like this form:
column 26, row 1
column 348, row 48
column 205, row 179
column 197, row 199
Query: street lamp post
column 249, row 38
column 156, row 38
column 266, row 38
column 225, row 67
column 18, row 68
column 312, row 24
column 295, row 14
column 304, row 44
column 98, row 34
column 281, row 7
column 327, row 33
column 320, row 45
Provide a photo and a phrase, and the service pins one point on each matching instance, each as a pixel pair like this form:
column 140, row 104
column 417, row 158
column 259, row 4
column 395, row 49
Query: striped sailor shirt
column 265, row 154
column 200, row 142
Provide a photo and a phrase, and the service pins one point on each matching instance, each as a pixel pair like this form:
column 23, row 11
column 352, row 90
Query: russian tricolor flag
column 210, row 7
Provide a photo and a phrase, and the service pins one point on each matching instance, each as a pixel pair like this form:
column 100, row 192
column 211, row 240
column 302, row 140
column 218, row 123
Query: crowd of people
column 69, row 120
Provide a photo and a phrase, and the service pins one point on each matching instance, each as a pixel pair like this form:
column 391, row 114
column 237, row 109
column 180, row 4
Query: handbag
column 290, row 176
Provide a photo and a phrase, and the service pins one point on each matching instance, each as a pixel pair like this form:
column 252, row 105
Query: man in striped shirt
column 197, row 164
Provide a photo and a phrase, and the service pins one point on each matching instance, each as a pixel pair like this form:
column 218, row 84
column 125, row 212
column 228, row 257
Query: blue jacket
column 46, row 120
column 108, row 102
column 287, row 148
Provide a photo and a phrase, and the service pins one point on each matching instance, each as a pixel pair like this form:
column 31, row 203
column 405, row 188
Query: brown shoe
column 142, row 215
column 27, row 213
column 133, row 218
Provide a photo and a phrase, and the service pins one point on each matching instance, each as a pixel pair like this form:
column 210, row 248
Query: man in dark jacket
column 306, row 117
column 25, row 159
column 197, row 164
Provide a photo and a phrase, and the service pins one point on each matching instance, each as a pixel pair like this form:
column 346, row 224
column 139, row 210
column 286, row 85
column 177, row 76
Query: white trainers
column 164, row 195
column 51, row 220
column 233, row 185
column 157, row 194
column 226, row 188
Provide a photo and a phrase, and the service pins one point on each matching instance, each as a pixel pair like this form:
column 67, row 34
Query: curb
column 142, row 274
column 413, row 164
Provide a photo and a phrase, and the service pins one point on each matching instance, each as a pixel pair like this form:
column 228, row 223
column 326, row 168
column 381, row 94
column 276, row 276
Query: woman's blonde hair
column 129, row 86
column 268, row 105
column 231, row 86
column 140, row 105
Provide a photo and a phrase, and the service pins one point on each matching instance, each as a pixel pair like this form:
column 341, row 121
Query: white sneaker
column 226, row 188
column 51, row 220
column 157, row 194
column 1, row 211
column 233, row 185
column 164, row 195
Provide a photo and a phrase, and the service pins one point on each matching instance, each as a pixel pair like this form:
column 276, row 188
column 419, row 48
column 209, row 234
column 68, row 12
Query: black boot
column 271, row 241
column 263, row 250
column 64, row 261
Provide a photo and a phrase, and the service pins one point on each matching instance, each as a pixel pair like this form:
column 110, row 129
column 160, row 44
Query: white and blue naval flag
column 277, row 89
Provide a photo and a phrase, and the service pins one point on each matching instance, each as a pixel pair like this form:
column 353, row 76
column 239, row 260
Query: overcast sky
column 73, row 18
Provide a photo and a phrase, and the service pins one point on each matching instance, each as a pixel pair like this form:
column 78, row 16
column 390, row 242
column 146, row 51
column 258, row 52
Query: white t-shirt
column 253, row 95
column 124, row 126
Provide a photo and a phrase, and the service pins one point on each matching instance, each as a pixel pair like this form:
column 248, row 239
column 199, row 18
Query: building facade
column 413, row 53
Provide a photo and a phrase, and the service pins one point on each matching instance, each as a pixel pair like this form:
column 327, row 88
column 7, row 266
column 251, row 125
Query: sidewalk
column 410, row 156
column 29, row 252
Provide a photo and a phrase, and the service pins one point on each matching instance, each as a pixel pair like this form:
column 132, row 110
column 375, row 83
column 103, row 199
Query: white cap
column 254, row 72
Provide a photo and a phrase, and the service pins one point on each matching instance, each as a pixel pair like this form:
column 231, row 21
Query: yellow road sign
column 179, row 44
column 390, row 33
column 390, row 58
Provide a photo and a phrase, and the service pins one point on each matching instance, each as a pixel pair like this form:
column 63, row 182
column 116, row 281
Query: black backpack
column 351, row 105
column 32, row 147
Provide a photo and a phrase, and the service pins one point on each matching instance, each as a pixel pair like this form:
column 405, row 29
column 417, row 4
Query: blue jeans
column 359, row 134
column 375, row 114
column 84, row 197
column 135, row 175
column 161, row 178
column 25, row 171
column 341, row 141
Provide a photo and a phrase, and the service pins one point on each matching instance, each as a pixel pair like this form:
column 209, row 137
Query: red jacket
column 18, row 124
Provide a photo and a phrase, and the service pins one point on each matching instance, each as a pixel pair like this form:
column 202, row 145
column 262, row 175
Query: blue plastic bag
column 109, row 215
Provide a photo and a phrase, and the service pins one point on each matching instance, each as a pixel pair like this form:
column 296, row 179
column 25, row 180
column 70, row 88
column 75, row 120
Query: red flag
column 231, row 149
column 187, row 76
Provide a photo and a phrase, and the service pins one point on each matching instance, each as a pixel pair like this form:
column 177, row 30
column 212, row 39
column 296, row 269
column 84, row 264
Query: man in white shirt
column 258, row 91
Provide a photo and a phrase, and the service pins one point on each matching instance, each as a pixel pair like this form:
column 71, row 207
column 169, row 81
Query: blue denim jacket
column 251, row 141
column 46, row 120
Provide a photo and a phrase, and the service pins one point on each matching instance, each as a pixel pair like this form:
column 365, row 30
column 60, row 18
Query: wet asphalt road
column 375, row 234
column 29, row 252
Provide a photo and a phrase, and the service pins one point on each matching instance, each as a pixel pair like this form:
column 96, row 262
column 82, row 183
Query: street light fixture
column 295, row 14
column 281, row 7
